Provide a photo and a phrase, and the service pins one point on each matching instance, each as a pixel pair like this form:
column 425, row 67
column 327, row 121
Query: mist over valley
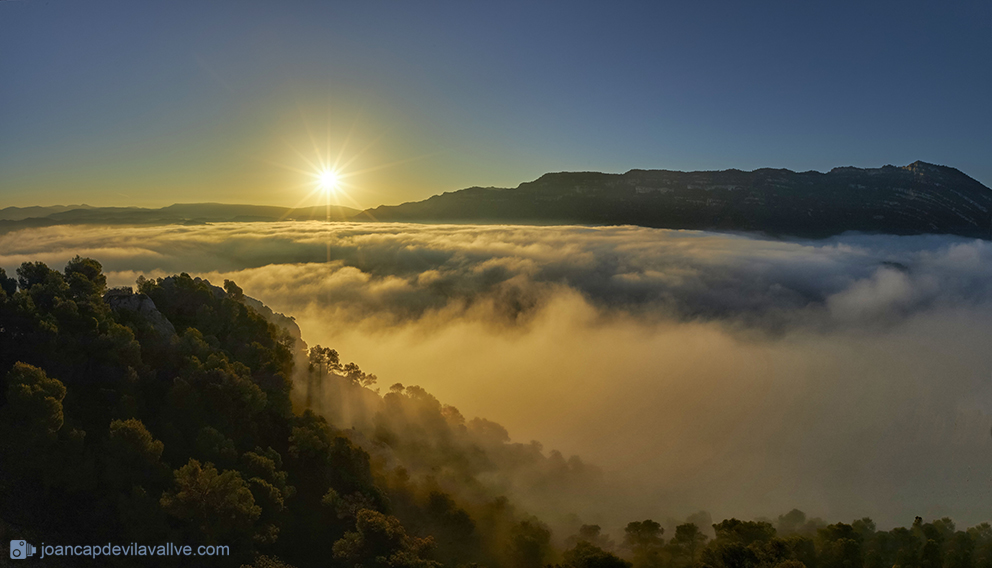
column 743, row 376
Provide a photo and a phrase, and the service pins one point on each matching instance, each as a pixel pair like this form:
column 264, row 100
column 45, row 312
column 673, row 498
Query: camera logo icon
column 20, row 549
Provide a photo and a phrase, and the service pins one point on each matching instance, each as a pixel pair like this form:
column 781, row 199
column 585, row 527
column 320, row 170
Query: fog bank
column 846, row 377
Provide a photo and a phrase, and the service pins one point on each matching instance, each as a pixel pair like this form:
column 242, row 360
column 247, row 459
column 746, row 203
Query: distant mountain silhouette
column 188, row 213
column 914, row 199
column 19, row 213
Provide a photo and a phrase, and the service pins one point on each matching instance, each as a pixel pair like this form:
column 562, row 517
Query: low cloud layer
column 407, row 272
column 846, row 377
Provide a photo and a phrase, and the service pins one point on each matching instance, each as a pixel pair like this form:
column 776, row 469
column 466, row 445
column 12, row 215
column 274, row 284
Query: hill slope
column 914, row 199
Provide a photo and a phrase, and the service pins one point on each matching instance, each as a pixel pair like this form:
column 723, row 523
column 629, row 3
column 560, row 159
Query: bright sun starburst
column 329, row 180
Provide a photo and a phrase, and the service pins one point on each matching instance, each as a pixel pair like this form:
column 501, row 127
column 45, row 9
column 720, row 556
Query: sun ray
column 360, row 153
column 395, row 163
column 306, row 126
column 290, row 168
column 315, row 167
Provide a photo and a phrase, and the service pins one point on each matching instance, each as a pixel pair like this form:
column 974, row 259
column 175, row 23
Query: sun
column 329, row 180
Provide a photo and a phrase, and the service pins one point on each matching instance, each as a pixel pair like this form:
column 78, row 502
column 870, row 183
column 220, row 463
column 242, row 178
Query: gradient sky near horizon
column 148, row 104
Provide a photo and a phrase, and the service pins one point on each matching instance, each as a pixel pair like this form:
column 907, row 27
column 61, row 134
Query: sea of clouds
column 746, row 376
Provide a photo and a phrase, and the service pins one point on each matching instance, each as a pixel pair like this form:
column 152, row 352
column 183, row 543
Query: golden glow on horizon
column 331, row 180
column 326, row 178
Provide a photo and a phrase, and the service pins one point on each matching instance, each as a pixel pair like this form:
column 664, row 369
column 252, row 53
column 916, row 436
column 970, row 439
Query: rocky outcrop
column 125, row 300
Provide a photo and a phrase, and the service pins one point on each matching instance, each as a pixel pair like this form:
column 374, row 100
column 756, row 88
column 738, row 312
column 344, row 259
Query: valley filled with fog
column 743, row 376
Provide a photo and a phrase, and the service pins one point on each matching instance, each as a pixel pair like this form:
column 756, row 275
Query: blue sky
column 135, row 103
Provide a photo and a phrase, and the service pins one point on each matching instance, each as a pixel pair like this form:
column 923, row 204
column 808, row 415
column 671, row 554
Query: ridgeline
column 915, row 199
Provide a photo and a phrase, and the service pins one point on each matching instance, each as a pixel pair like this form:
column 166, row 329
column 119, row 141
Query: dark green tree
column 218, row 507
column 840, row 546
column 643, row 540
column 687, row 543
column 593, row 534
column 133, row 457
column 587, row 555
column 530, row 544
column 743, row 532
column 380, row 541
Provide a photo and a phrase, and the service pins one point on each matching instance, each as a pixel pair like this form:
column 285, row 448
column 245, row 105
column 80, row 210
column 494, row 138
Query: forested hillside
column 188, row 413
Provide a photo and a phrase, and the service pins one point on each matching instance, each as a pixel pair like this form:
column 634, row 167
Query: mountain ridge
column 917, row 198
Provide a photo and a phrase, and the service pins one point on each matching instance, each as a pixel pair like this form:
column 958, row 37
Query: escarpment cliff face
column 915, row 199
